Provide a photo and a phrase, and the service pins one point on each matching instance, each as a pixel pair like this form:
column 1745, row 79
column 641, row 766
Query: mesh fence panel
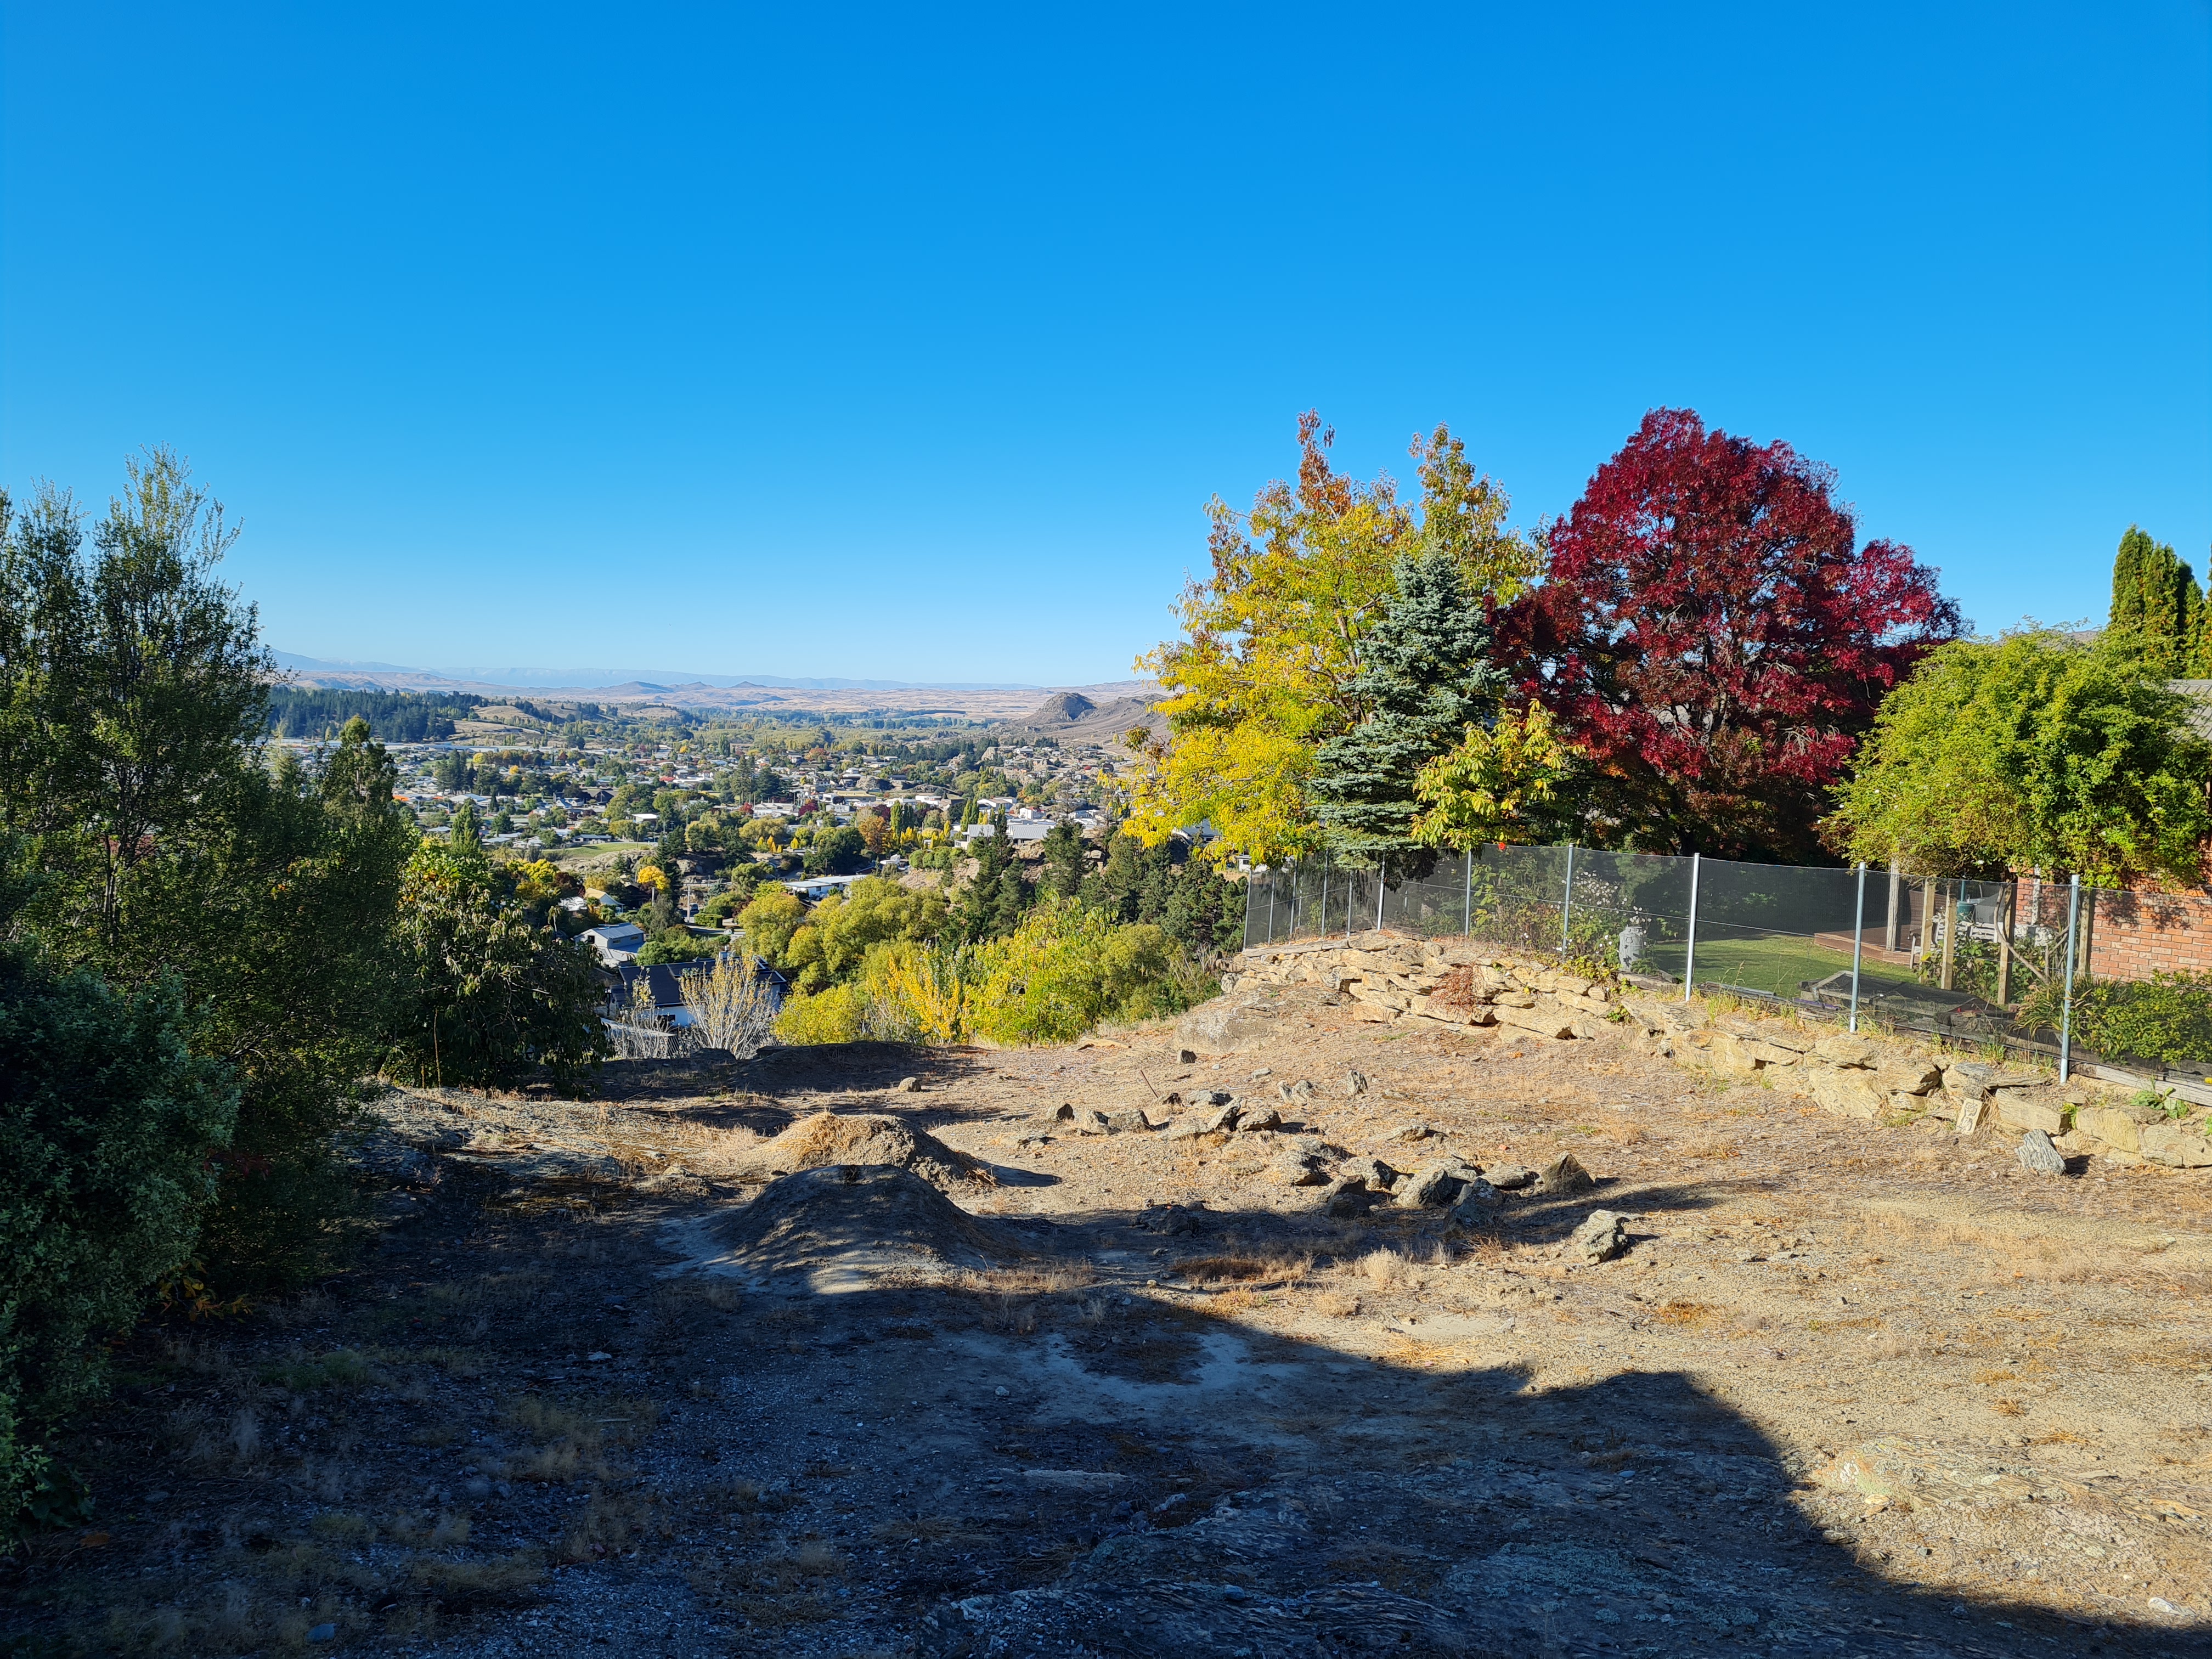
column 1977, row 963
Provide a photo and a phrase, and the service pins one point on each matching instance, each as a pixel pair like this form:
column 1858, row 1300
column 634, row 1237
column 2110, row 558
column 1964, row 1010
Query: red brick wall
column 2134, row 935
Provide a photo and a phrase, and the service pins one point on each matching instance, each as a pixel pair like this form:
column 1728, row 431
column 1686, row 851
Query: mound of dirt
column 817, row 1142
column 843, row 1227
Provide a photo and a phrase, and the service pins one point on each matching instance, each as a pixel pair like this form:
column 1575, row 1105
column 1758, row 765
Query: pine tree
column 1425, row 678
column 1063, row 859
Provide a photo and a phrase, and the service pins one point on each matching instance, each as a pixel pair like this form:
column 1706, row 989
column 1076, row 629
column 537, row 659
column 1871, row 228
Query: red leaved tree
column 1710, row 632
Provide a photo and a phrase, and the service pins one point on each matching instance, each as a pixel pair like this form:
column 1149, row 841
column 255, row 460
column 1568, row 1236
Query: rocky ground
column 608, row 1378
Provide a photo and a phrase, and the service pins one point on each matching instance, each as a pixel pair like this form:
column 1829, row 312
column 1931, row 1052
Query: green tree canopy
column 489, row 998
column 2033, row 751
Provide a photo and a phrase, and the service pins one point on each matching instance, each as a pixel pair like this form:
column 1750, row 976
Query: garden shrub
column 832, row 1015
column 106, row 1123
column 2166, row 1020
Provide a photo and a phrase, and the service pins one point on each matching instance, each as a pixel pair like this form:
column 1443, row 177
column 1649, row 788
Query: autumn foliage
column 1714, row 637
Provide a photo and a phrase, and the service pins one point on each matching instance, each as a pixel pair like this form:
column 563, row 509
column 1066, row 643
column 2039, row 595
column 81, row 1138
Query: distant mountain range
column 399, row 677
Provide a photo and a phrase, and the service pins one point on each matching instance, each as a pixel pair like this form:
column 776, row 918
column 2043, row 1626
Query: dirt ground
column 1851, row 1390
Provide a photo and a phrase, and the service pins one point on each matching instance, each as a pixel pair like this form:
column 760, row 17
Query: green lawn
column 1778, row 963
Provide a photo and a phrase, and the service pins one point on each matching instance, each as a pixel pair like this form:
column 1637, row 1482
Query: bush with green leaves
column 488, row 997
column 106, row 1123
column 2164, row 1020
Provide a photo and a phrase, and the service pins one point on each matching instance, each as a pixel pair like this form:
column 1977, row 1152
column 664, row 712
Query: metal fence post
column 1567, row 903
column 1467, row 904
column 1382, row 886
column 2066, row 1014
column 1271, row 905
column 1858, row 942
column 1321, row 932
column 1690, row 951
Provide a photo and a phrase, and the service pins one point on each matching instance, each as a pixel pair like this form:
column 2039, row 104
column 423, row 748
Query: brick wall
column 2134, row 935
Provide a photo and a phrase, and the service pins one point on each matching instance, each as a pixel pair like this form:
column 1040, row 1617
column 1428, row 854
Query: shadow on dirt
column 1132, row 1476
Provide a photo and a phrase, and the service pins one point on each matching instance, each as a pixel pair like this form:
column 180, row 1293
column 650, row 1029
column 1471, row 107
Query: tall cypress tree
column 1425, row 678
column 2154, row 595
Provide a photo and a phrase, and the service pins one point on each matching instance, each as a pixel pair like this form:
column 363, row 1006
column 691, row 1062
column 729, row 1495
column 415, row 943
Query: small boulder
column 1255, row 1116
column 1355, row 1083
column 1510, row 1178
column 2039, row 1156
column 1186, row 1057
column 1350, row 1199
column 907, row 1085
column 1601, row 1236
column 1844, row 1049
column 1967, row 1081
column 1563, row 1174
column 1409, row 1131
column 1373, row 1172
column 1437, row 1185
column 1476, row 1202
column 1130, row 1122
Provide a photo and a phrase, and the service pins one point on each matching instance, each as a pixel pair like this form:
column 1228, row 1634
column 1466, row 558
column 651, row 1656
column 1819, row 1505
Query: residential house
column 616, row 942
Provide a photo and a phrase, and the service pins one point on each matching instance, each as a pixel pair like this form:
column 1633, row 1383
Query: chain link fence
column 2009, row 966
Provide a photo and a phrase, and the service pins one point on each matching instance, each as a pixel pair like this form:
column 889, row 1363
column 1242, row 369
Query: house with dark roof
column 664, row 986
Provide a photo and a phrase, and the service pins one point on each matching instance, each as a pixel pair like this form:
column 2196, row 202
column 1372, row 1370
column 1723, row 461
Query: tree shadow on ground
column 1161, row 1478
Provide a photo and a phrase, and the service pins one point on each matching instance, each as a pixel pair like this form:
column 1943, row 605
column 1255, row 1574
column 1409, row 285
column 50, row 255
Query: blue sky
column 910, row 344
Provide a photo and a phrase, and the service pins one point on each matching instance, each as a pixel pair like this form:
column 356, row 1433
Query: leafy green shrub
column 1066, row 967
column 1063, row 970
column 2164, row 1020
column 106, row 1125
column 834, row 1015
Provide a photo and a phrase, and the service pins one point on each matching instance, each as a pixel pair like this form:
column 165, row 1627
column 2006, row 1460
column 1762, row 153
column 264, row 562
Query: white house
column 616, row 942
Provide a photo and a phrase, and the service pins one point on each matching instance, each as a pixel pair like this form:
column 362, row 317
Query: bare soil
column 1851, row 1390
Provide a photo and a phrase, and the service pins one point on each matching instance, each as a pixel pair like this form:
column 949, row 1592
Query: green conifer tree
column 1426, row 677
column 2156, row 596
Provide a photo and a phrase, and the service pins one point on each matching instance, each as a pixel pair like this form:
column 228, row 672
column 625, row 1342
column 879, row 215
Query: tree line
column 393, row 716
column 1703, row 655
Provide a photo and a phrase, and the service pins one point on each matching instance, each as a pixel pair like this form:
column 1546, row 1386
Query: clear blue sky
column 909, row 342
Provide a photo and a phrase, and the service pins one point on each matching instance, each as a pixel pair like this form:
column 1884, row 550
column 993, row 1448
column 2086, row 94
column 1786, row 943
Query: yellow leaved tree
column 1498, row 785
column 1268, row 668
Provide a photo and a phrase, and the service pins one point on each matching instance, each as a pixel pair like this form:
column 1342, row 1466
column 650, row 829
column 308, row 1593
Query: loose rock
column 2039, row 1156
column 1563, row 1174
column 1601, row 1236
column 1355, row 1083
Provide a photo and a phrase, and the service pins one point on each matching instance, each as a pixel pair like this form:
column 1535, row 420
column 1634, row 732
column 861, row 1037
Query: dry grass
column 1687, row 1316
column 1387, row 1270
column 2008, row 1408
column 1337, row 1304
column 573, row 1438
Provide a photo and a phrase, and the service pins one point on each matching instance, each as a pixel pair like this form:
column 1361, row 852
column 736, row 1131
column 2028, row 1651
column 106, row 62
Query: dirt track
column 1851, row 1390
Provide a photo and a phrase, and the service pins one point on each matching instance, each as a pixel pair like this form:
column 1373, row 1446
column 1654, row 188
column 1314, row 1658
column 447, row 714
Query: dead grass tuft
column 1386, row 1270
column 1337, row 1304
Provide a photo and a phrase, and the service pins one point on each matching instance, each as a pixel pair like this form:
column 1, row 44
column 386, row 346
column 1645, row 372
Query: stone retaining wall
column 1394, row 979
